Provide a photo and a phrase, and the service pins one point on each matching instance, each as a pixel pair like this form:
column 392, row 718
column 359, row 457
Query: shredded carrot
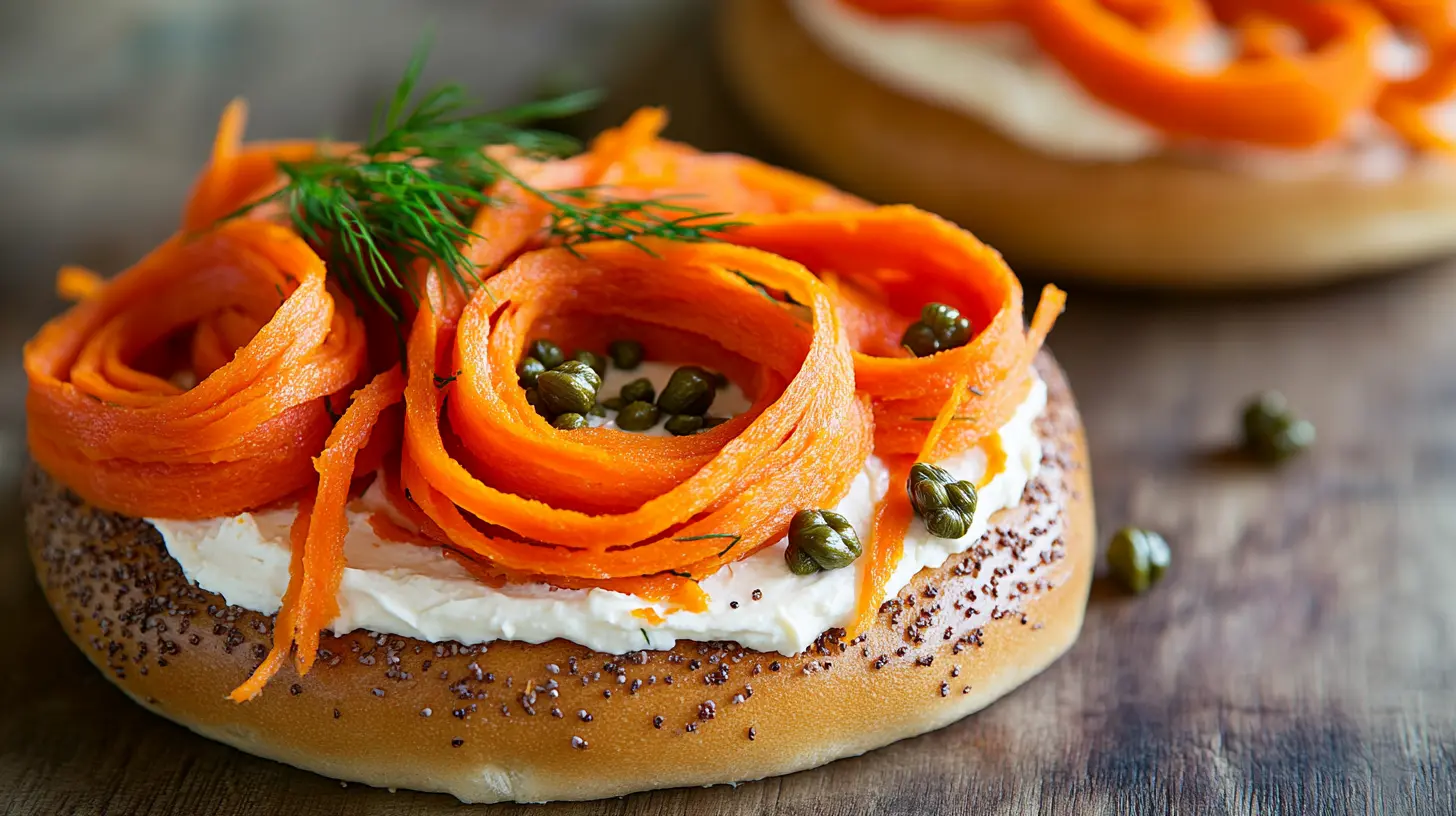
column 270, row 348
column 77, row 283
column 222, row 374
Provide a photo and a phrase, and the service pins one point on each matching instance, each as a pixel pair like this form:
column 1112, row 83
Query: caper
column 637, row 416
column 799, row 561
column 920, row 339
column 824, row 537
column 720, row 380
column 1138, row 558
column 598, row 410
column 568, row 422
column 547, row 352
column 639, row 390
column 683, row 424
column 1272, row 432
column 940, row 327
column 528, row 370
column 625, row 354
column 689, row 390
column 533, row 398
column 568, row 388
column 947, row 523
column 613, row 403
column 951, row 329
column 597, row 362
column 713, row 421
column 947, row 505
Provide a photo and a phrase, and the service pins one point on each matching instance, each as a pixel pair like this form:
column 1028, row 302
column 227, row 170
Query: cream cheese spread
column 414, row 591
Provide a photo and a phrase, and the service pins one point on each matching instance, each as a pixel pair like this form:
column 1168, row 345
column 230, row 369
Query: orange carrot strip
column 284, row 624
column 106, row 417
column 892, row 520
column 797, row 448
column 77, row 283
column 323, row 565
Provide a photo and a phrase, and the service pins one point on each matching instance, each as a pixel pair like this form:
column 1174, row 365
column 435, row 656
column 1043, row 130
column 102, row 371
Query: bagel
column 510, row 721
column 1171, row 219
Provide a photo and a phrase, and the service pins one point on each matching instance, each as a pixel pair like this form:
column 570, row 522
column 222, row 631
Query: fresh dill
column 736, row 538
column 409, row 193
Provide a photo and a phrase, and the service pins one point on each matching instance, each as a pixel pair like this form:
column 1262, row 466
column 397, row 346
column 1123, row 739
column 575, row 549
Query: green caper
column 720, row 380
column 799, row 561
column 947, row 505
column 713, row 421
column 947, row 523
column 940, row 327
column 684, row 425
column 597, row 362
column 625, row 354
column 598, row 410
column 690, row 390
column 951, row 329
column 613, row 403
column 533, row 398
column 637, row 416
column 1138, row 558
column 639, row 390
column 568, row 388
column 920, row 340
column 528, row 370
column 568, row 422
column 547, row 352
column 1272, row 432
column 825, row 537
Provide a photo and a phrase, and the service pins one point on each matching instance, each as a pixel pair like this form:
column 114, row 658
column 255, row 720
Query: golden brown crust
column 513, row 721
column 1164, row 221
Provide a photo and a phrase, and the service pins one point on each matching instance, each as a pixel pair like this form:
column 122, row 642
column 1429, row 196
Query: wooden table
column 1300, row 657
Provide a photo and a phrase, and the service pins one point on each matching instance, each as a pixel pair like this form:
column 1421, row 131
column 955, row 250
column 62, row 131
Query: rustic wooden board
column 1300, row 657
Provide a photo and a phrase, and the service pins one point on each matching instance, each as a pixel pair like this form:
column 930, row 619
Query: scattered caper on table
column 637, row 416
column 569, row 422
column 1138, row 558
column 1272, row 433
column 613, row 403
column 821, row 540
column 625, row 354
column 639, row 390
column 947, row 505
column 568, row 388
column 529, row 369
column 940, row 327
column 690, row 390
column 597, row 362
column 547, row 352
column 683, row 424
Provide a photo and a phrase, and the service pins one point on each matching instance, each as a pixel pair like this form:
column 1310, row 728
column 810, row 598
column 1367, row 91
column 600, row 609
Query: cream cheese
column 995, row 74
column 414, row 591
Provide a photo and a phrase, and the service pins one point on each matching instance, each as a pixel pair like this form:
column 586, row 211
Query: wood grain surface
column 1300, row 657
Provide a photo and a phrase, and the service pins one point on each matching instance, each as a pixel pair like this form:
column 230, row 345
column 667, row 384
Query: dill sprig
column 409, row 193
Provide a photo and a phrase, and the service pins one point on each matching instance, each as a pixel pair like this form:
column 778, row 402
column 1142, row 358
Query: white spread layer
column 995, row 74
column 415, row 591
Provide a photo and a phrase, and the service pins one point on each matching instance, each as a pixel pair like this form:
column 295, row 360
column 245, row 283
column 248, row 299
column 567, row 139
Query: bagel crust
column 1165, row 220
column 514, row 721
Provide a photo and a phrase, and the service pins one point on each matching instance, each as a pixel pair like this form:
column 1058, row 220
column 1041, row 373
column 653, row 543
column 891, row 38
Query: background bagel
column 1164, row 220
column 515, row 721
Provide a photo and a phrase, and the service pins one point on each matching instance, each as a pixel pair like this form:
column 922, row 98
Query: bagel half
column 515, row 721
column 1165, row 221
